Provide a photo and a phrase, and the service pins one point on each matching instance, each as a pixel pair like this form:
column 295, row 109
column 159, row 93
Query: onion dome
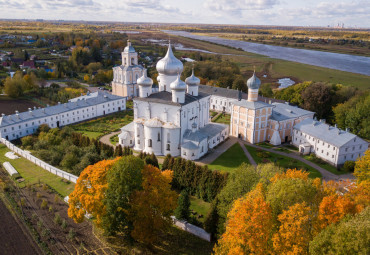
column 254, row 82
column 169, row 65
column 192, row 80
column 129, row 48
column 144, row 80
column 178, row 84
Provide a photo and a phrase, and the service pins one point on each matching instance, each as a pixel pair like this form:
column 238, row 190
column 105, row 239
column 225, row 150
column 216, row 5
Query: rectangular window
column 150, row 143
column 168, row 146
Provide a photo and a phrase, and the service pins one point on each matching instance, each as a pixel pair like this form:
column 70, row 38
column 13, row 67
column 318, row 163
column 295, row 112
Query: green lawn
column 105, row 125
column 230, row 159
column 265, row 145
column 33, row 173
column 223, row 118
column 91, row 134
column 114, row 139
column 325, row 165
column 283, row 161
column 199, row 206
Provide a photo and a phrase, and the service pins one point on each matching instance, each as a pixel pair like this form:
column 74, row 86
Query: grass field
column 283, row 161
column 104, row 125
column 223, row 118
column 91, row 135
column 230, row 159
column 34, row 174
column 199, row 206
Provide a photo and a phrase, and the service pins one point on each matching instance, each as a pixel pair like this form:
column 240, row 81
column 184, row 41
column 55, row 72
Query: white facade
column 76, row 110
column 329, row 143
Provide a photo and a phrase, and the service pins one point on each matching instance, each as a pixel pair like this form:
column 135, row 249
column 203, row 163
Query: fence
column 197, row 231
column 39, row 162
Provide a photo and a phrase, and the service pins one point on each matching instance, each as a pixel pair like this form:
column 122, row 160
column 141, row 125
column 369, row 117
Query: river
column 342, row 62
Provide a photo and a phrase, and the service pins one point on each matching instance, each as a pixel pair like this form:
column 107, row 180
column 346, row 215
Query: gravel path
column 249, row 156
column 105, row 138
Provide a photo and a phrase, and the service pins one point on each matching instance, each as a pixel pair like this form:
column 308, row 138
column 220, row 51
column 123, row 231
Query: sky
column 353, row 13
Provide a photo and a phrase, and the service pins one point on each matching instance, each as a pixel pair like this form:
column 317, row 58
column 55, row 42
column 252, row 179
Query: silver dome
column 169, row 65
column 144, row 80
column 192, row 80
column 178, row 84
column 129, row 48
column 254, row 82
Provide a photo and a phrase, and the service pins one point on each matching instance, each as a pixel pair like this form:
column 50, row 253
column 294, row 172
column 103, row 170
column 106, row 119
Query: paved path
column 249, row 156
column 326, row 175
column 105, row 138
column 215, row 153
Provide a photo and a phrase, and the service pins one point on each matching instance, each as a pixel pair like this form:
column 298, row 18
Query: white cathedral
column 174, row 120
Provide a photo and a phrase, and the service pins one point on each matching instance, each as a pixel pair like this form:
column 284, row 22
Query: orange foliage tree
column 295, row 230
column 153, row 205
column 89, row 192
column 248, row 227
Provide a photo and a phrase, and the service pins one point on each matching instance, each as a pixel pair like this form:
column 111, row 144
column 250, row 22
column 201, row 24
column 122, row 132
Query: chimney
column 29, row 109
column 34, row 107
column 58, row 103
column 335, row 126
column 3, row 115
column 347, row 130
column 47, row 105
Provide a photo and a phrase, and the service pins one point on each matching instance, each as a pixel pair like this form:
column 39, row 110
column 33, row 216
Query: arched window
column 168, row 146
column 124, row 61
column 150, row 143
column 159, row 137
column 132, row 61
column 168, row 137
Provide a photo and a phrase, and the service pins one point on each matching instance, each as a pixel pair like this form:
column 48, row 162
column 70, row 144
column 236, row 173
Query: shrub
column 51, row 209
column 45, row 187
column 45, row 232
column 56, row 199
column 64, row 224
column 57, row 219
column 263, row 154
column 40, row 223
column 44, row 204
column 349, row 166
column 23, row 201
column 71, row 234
column 38, row 195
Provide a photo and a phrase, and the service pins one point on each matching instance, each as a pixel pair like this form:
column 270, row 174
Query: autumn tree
column 333, row 208
column 89, row 192
column 249, row 226
column 295, row 230
column 362, row 167
column 14, row 87
column 153, row 205
column 124, row 179
column 350, row 236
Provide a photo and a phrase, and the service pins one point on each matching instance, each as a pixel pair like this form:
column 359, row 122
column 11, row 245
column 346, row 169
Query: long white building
column 329, row 143
column 174, row 120
column 75, row 110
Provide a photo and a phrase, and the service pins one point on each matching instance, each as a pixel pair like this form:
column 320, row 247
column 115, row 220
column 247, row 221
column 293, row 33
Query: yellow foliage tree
column 249, row 226
column 295, row 231
column 333, row 208
column 362, row 167
column 291, row 174
column 153, row 205
column 89, row 192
